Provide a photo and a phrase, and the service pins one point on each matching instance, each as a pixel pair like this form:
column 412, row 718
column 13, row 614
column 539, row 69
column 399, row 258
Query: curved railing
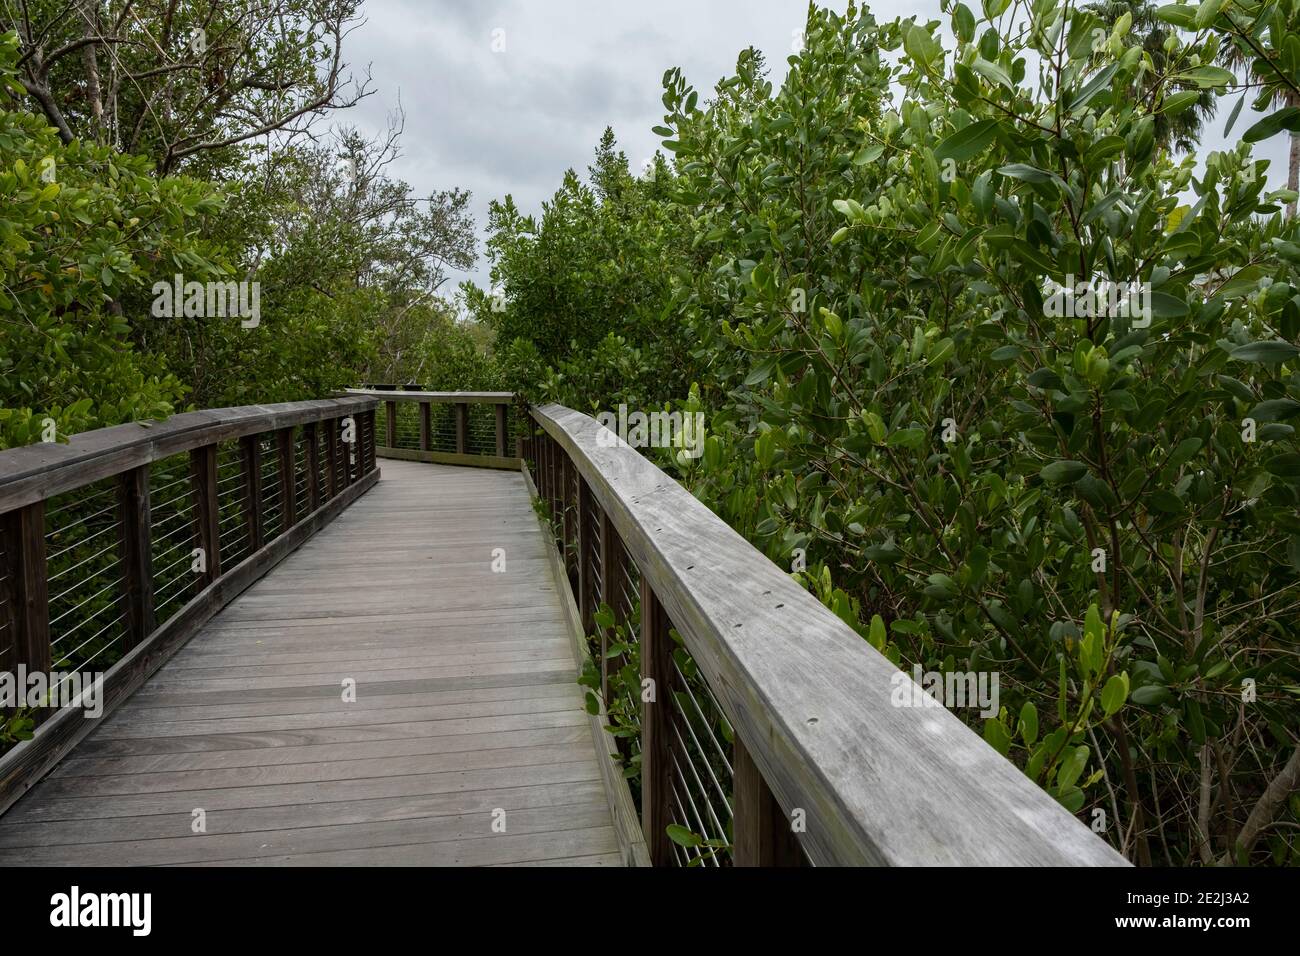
column 450, row 428
column 770, row 734
column 116, row 546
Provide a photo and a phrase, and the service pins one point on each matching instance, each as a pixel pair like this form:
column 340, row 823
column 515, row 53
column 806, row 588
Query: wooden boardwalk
column 467, row 713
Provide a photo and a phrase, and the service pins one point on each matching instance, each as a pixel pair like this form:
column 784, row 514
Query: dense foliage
column 1103, row 509
column 580, row 298
column 347, row 260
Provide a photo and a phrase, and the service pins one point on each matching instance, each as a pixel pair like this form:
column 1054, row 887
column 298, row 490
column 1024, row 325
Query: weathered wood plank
column 285, row 469
column 762, row 834
column 134, row 536
column 207, row 516
column 184, row 847
column 24, row 546
column 250, row 448
column 255, row 819
column 656, row 727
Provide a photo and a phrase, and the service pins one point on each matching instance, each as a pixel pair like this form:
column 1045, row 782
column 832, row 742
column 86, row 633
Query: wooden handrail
column 41, row 471
column 809, row 699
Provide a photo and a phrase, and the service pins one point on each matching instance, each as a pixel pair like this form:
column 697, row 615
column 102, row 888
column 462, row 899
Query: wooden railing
column 768, row 735
column 116, row 546
column 452, row 428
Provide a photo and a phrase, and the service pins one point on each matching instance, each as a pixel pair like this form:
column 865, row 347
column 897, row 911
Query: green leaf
column 1150, row 694
column 1284, row 466
column 876, row 636
column 1072, row 767
column 1098, row 83
column 1287, row 118
column 1232, row 117
column 1208, row 76
column 920, row 46
column 682, row 836
column 967, row 142
column 992, row 72
column 1063, row 472
column 1029, row 723
column 1185, row 450
column 1178, row 102
column 941, row 351
column 1275, row 410
column 875, row 426
column 1267, row 353
column 995, row 734
column 1114, row 694
column 1180, row 15
column 1026, row 173
column 911, row 437
column 868, row 154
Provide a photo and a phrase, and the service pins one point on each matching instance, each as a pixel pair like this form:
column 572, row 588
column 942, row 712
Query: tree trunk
column 93, row 87
column 1293, row 176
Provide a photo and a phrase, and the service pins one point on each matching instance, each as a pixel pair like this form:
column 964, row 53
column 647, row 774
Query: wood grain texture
column 879, row 784
column 137, row 554
column 24, row 546
column 466, row 744
column 207, row 515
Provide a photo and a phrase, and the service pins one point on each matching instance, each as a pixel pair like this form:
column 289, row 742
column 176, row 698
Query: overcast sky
column 498, row 121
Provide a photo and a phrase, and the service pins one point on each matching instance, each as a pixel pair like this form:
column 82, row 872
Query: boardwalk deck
column 466, row 706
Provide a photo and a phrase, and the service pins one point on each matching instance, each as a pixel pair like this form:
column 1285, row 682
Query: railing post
column 346, row 449
column 135, row 537
column 369, row 443
column 462, row 427
column 390, row 425
column 207, row 531
column 312, row 440
column 329, row 429
column 251, row 447
column 656, row 727
column 288, row 487
column 24, row 547
column 613, row 577
column 426, row 426
column 544, row 468
column 761, row 833
column 586, row 538
column 501, row 430
column 566, row 525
